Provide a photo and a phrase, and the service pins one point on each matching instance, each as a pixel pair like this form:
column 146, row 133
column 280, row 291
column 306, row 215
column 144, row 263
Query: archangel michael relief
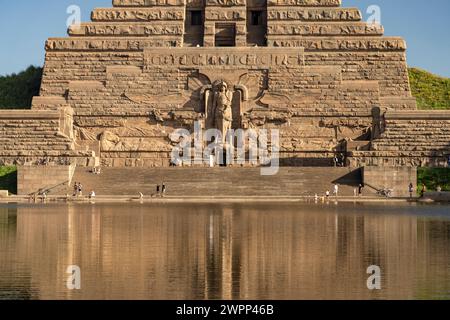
column 221, row 112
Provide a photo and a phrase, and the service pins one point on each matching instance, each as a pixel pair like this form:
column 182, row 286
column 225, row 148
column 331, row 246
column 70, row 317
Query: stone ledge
column 29, row 114
column 127, row 70
column 366, row 85
column 418, row 115
column 437, row 196
column 48, row 100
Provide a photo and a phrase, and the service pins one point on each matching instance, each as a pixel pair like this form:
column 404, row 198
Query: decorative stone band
column 198, row 3
column 325, row 29
column 158, row 28
column 141, row 14
column 148, row 3
column 111, row 44
column 310, row 43
column 226, row 14
column 141, row 29
column 340, row 44
column 313, row 14
column 305, row 3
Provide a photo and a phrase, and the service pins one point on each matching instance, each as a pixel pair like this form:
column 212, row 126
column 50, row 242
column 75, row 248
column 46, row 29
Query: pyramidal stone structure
column 117, row 87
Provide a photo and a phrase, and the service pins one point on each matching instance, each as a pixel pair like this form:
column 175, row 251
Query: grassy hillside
column 17, row 90
column 431, row 91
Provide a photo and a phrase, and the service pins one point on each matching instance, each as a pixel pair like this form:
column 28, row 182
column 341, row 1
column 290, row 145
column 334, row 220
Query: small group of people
column 161, row 190
column 328, row 193
column 96, row 170
column 339, row 160
column 335, row 191
column 356, row 192
column 34, row 197
column 77, row 189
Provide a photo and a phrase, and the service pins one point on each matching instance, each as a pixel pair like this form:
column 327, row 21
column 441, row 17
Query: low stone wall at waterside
column 395, row 178
column 32, row 179
column 437, row 196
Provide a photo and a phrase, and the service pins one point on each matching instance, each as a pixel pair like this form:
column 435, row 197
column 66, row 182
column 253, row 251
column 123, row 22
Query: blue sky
column 26, row 24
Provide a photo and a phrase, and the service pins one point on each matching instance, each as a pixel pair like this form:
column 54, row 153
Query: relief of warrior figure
column 222, row 115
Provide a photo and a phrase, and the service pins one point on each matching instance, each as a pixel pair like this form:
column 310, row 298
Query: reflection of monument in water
column 214, row 252
column 114, row 90
column 15, row 278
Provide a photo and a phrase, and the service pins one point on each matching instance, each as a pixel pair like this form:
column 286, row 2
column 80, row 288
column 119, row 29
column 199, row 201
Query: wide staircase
column 415, row 131
column 32, row 134
column 217, row 182
column 414, row 136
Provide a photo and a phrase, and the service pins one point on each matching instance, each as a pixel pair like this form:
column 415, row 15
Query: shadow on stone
column 353, row 178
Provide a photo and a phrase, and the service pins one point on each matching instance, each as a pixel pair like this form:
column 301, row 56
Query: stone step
column 213, row 182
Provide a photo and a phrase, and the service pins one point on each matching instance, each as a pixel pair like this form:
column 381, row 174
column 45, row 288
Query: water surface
column 224, row 251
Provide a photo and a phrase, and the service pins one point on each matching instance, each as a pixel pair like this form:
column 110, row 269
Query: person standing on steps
column 424, row 189
column 360, row 189
column 75, row 189
column 80, row 189
column 157, row 190
column 163, row 189
column 336, row 190
column 411, row 190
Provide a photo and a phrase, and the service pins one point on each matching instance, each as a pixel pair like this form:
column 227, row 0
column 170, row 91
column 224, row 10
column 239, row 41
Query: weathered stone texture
column 143, row 68
column 33, row 179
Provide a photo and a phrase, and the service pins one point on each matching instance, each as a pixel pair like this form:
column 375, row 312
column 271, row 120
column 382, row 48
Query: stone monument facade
column 117, row 87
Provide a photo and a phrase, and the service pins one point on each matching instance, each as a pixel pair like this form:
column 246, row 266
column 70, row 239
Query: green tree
column 17, row 90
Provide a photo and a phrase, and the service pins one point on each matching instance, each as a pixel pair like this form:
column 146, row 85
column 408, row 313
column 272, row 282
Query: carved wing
column 254, row 85
column 276, row 99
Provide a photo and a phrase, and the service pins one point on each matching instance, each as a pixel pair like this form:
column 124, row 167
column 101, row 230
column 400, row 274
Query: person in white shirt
column 336, row 190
